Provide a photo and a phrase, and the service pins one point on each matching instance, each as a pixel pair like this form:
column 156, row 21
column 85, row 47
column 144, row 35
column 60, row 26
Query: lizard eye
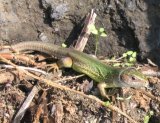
column 133, row 78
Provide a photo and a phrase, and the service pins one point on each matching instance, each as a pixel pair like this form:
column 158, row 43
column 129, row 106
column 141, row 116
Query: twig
column 25, row 68
column 11, row 77
column 151, row 73
column 151, row 63
column 150, row 95
column 42, row 102
column 113, row 61
column 25, row 105
column 83, row 38
column 22, row 57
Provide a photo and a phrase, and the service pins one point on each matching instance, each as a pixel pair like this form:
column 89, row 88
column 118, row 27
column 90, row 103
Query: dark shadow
column 75, row 31
column 73, row 36
column 47, row 19
column 125, row 33
column 153, row 36
column 149, row 46
column 154, row 119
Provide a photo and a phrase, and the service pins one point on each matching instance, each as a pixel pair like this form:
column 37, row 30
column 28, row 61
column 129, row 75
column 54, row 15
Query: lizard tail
column 47, row 48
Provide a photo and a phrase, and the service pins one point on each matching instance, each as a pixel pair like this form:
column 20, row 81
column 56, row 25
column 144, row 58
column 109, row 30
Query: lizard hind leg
column 63, row 62
column 53, row 67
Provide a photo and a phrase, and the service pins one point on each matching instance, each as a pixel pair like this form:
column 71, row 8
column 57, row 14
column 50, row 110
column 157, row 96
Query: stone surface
column 130, row 24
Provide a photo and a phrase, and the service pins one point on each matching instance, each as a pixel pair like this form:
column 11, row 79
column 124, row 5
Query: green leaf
column 107, row 103
column 128, row 64
column 129, row 52
column 124, row 55
column 101, row 29
column 131, row 59
column 103, row 34
column 134, row 54
column 146, row 119
column 95, row 32
column 93, row 29
column 64, row 45
column 151, row 113
column 148, row 116
column 116, row 64
column 113, row 58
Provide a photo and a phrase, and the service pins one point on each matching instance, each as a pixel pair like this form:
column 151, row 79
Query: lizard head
column 130, row 77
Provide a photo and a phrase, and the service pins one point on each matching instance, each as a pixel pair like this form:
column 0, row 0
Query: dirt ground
column 130, row 25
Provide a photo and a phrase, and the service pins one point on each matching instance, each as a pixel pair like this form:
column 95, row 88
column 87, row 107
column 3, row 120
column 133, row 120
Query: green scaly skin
column 106, row 76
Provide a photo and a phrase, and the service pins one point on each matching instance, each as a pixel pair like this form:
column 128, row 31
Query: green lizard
column 106, row 76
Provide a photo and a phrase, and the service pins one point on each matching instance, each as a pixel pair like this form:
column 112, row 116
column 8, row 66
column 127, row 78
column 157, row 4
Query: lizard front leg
column 102, row 86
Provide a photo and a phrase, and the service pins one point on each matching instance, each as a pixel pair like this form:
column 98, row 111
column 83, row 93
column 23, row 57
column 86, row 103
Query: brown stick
column 83, row 38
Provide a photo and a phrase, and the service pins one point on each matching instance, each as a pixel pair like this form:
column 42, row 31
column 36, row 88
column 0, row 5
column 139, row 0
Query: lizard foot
column 53, row 67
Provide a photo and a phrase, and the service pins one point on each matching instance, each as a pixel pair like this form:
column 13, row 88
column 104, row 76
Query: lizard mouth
column 130, row 77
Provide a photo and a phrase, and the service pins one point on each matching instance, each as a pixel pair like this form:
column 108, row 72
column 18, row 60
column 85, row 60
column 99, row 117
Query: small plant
column 129, row 58
column 147, row 117
column 98, row 33
column 64, row 45
column 107, row 103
